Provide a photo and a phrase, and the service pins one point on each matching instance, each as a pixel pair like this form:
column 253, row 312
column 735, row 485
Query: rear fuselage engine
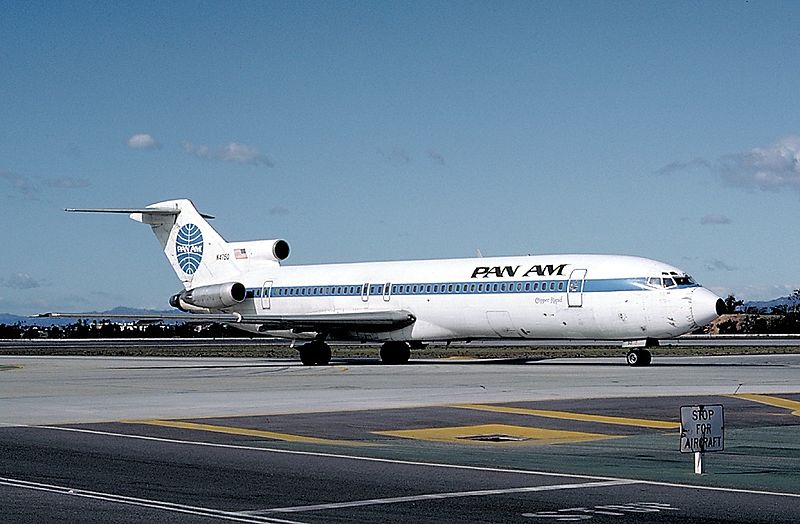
column 205, row 298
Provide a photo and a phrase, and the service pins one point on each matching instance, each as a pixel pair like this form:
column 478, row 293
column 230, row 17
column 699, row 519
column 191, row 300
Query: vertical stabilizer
column 196, row 252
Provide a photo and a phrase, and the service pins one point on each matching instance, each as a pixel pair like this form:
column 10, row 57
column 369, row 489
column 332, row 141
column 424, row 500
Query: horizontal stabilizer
column 164, row 211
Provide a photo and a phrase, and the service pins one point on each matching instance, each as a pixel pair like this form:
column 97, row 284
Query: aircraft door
column 266, row 295
column 575, row 288
column 365, row 292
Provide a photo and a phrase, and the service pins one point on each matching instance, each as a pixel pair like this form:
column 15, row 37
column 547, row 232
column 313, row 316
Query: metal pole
column 698, row 462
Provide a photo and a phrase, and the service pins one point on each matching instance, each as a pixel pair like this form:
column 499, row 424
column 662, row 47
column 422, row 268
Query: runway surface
column 125, row 440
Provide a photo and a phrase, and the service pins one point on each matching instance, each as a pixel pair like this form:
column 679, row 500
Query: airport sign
column 702, row 428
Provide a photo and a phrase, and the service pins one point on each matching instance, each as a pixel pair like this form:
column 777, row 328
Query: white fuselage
column 527, row 297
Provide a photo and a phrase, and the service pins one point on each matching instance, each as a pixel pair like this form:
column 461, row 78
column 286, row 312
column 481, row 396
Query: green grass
column 239, row 350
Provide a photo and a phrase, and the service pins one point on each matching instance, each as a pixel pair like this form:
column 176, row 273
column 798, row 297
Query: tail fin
column 197, row 253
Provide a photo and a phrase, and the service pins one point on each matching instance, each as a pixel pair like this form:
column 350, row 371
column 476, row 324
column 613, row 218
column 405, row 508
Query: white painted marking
column 438, row 496
column 133, row 501
column 413, row 463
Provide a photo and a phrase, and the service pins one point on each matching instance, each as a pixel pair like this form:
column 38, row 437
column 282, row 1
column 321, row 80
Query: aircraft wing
column 365, row 321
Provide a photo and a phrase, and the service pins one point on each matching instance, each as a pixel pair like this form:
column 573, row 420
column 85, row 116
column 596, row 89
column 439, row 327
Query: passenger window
column 450, row 288
column 552, row 286
column 527, row 286
column 536, row 286
column 494, row 287
column 561, row 286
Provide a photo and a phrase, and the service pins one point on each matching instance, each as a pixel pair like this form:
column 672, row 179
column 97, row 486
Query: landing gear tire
column 639, row 357
column 315, row 354
column 395, row 353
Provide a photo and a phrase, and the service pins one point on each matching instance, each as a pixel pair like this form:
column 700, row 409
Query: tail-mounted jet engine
column 204, row 298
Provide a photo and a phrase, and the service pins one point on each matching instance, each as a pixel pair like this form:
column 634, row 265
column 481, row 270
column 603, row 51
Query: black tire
column 639, row 357
column 323, row 355
column 393, row 353
column 307, row 354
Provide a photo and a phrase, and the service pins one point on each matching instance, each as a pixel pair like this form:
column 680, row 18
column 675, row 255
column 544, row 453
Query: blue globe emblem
column 189, row 248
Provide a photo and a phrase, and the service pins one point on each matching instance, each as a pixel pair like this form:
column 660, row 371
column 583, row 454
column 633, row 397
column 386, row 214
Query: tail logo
column 189, row 248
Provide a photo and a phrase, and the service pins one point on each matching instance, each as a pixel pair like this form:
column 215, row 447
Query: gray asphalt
column 209, row 444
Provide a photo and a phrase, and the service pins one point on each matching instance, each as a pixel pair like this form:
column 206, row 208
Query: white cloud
column 435, row 156
column 774, row 167
column 232, row 152
column 769, row 168
column 143, row 141
column 21, row 185
column 278, row 210
column 395, row 156
column 714, row 219
column 20, row 281
column 66, row 182
column 719, row 265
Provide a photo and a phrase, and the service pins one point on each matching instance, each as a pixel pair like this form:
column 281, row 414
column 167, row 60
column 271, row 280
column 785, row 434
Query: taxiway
column 123, row 440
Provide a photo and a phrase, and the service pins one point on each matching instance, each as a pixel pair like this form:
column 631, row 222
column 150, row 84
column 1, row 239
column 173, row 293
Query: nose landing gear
column 638, row 355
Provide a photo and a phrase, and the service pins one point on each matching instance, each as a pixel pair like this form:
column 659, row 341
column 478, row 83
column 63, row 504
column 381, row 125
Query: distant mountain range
column 9, row 319
column 767, row 305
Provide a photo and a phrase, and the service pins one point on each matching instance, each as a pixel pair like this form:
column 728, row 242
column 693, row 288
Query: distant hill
column 9, row 319
column 767, row 305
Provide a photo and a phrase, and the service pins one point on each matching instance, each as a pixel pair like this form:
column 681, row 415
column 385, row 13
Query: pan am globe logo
column 189, row 248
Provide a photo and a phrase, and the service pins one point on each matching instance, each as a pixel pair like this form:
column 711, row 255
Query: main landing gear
column 315, row 353
column 395, row 353
column 638, row 355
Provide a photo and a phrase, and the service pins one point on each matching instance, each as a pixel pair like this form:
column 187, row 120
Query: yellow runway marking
column 473, row 435
column 247, row 432
column 777, row 402
column 566, row 415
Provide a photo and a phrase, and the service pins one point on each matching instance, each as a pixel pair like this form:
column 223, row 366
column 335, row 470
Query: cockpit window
column 684, row 280
column 668, row 282
column 654, row 281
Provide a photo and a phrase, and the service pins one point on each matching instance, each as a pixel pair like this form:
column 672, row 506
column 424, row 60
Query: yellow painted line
column 777, row 402
column 566, row 415
column 247, row 432
column 467, row 434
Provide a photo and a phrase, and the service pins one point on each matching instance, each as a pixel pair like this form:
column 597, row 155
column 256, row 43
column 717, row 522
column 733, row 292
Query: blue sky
column 378, row 130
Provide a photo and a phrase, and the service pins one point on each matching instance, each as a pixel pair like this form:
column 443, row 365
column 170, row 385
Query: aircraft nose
column 706, row 306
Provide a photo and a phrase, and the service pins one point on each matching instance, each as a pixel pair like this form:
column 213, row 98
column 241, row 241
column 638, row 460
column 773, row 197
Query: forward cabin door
column 575, row 288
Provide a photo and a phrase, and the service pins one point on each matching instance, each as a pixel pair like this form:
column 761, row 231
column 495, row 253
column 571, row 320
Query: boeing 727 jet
column 410, row 303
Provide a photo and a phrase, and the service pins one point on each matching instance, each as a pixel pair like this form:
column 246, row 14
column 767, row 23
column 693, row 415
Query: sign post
column 702, row 430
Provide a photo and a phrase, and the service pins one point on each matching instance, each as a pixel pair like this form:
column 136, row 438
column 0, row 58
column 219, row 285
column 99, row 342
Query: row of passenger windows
column 415, row 289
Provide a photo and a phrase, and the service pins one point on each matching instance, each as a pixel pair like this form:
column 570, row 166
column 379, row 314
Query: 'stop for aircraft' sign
column 702, row 428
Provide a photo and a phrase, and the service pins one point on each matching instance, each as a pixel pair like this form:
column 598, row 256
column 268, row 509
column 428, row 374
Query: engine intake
column 258, row 251
column 216, row 296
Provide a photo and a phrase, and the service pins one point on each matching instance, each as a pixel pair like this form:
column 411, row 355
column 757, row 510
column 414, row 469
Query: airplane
column 407, row 304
